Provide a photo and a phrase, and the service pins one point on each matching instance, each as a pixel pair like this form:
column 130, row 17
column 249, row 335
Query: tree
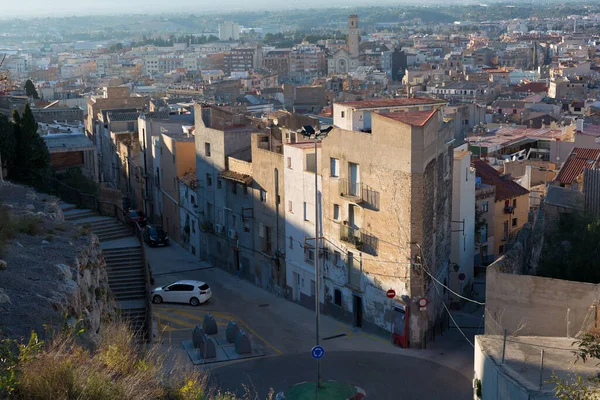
column 30, row 90
column 576, row 386
column 31, row 150
column 8, row 143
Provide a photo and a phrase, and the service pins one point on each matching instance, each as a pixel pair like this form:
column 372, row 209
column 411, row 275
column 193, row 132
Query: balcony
column 509, row 210
column 359, row 193
column 362, row 241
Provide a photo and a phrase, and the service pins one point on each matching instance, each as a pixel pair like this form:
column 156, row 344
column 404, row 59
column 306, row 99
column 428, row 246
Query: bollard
column 231, row 332
column 242, row 343
column 209, row 325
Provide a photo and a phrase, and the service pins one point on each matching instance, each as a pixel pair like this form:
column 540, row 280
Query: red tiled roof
column 414, row 118
column 505, row 188
column 399, row 102
column 533, row 87
column 578, row 160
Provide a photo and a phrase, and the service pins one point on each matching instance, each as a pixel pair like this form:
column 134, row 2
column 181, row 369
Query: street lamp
column 309, row 132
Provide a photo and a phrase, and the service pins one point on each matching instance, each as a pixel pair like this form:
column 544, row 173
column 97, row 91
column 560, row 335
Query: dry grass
column 116, row 369
column 11, row 225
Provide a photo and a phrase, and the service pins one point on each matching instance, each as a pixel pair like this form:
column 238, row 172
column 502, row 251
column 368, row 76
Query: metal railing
column 350, row 235
column 360, row 193
column 89, row 201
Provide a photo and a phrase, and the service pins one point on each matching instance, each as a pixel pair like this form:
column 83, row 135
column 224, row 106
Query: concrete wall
column 495, row 383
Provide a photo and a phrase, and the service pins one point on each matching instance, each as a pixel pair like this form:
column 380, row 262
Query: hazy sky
column 40, row 8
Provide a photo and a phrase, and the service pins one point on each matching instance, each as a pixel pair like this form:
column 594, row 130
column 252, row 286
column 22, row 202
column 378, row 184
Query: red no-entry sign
column 390, row 293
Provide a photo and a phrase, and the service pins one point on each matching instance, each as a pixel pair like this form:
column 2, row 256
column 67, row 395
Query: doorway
column 297, row 286
column 236, row 261
column 357, row 300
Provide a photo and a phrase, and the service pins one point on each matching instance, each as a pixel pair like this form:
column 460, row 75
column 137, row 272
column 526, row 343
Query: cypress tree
column 8, row 143
column 30, row 90
column 32, row 152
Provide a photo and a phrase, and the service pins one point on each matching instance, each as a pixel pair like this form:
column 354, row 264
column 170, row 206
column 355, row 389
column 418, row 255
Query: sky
column 41, row 8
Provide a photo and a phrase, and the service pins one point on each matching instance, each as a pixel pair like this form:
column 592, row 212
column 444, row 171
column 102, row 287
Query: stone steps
column 78, row 214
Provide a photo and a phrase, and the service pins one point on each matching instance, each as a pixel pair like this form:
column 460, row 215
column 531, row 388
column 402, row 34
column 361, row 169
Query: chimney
column 579, row 125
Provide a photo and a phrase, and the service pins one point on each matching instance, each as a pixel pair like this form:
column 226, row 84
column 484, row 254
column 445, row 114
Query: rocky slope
column 52, row 272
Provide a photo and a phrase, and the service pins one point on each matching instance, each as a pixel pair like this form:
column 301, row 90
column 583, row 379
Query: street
column 285, row 330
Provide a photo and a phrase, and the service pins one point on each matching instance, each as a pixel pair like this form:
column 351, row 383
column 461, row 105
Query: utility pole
column 309, row 132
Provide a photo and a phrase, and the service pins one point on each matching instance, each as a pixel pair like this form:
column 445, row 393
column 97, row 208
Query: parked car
column 190, row 292
column 137, row 216
column 155, row 236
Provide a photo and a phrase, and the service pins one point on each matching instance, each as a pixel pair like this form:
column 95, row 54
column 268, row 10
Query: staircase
column 124, row 259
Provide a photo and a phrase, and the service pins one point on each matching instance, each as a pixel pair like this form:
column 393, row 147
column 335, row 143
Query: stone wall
column 53, row 274
column 242, row 167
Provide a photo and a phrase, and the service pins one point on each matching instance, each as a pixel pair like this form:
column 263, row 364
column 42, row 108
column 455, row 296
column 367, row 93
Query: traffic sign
column 423, row 302
column 317, row 352
column 390, row 293
column 461, row 276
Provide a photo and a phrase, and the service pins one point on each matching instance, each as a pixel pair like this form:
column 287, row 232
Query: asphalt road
column 383, row 376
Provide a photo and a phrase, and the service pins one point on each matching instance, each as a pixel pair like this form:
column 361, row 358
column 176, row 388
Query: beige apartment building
column 387, row 193
column 177, row 157
column 510, row 209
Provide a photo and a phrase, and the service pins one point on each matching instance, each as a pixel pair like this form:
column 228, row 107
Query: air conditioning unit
column 232, row 234
column 219, row 228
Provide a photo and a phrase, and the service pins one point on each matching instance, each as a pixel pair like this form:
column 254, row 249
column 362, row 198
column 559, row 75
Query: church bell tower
column 353, row 36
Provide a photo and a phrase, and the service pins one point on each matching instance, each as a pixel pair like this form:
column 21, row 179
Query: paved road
column 383, row 376
column 287, row 332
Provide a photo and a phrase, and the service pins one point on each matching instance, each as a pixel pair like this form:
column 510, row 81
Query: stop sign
column 390, row 293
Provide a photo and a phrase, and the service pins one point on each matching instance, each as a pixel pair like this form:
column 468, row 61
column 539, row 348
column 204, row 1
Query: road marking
column 226, row 315
column 177, row 321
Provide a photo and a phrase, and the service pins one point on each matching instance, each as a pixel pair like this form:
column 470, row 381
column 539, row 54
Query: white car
column 192, row 292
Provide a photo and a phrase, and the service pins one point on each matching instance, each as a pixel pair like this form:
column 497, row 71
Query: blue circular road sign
column 317, row 352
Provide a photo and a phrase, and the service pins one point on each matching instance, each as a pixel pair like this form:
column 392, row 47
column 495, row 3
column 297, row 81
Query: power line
column 452, row 291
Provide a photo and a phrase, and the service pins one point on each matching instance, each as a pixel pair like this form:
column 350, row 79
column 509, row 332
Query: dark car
column 155, row 236
column 137, row 216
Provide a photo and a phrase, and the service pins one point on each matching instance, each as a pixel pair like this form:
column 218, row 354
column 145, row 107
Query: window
column 305, row 212
column 290, row 208
column 219, row 184
column 501, row 249
column 336, row 257
column 263, row 196
column 515, row 203
column 208, row 180
column 192, row 199
column 334, row 165
column 336, row 212
column 337, row 297
column 309, row 255
column 207, row 149
column 343, row 114
column 233, row 188
column 484, row 207
column 289, row 162
column 291, row 242
column 514, row 222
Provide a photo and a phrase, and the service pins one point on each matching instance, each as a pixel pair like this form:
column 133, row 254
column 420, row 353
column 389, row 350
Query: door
column 236, row 261
column 357, row 311
column 186, row 293
column 172, row 294
column 354, row 174
column 351, row 218
column 297, row 286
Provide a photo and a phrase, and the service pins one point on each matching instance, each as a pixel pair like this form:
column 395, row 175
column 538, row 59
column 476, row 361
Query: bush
column 117, row 369
column 74, row 178
column 11, row 226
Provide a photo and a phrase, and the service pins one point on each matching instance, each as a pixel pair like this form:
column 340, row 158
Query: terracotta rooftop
column 414, row 118
column 578, row 160
column 399, row 102
column 236, row 177
column 505, row 187
column 533, row 87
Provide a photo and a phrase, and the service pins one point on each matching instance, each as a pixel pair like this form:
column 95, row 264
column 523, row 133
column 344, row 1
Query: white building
column 463, row 224
column 299, row 186
column 229, row 30
column 189, row 212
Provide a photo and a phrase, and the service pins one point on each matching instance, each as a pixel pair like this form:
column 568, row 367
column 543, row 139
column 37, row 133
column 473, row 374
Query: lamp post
column 310, row 133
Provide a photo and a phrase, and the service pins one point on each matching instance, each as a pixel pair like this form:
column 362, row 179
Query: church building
column 345, row 59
